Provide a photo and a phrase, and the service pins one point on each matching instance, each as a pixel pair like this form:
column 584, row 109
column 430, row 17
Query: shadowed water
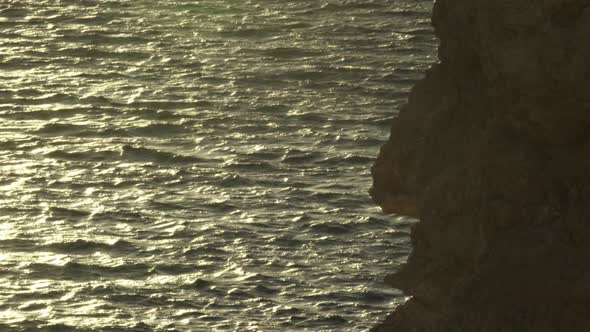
column 200, row 165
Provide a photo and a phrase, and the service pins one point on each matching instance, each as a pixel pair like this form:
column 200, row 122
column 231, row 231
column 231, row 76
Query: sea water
column 200, row 165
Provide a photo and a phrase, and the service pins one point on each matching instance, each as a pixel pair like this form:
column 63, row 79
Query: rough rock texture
column 492, row 154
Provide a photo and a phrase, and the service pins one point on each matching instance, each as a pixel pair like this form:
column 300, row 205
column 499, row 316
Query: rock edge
column 492, row 154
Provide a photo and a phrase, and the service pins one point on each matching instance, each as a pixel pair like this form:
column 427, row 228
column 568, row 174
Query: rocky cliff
column 492, row 154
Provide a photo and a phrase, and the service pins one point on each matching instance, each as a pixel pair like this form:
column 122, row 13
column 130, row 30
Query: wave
column 61, row 129
column 88, row 156
column 152, row 155
column 158, row 129
column 80, row 271
column 84, row 247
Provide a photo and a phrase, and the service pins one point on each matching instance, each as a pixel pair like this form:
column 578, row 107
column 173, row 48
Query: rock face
column 492, row 154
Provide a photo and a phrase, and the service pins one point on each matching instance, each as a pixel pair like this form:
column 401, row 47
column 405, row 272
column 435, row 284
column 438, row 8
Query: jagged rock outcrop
column 492, row 154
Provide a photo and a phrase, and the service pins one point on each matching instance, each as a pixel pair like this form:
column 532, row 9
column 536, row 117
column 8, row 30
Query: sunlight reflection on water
column 193, row 166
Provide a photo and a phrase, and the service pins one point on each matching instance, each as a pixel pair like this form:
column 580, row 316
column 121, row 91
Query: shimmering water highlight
column 200, row 165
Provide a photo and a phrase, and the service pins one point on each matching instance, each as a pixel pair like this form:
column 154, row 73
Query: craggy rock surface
column 492, row 153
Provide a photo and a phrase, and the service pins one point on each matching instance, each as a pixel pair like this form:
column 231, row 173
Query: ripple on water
column 199, row 166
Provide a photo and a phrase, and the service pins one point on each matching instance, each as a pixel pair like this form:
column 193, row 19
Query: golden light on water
column 178, row 165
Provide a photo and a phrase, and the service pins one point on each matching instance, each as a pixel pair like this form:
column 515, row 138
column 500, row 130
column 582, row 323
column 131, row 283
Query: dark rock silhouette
column 492, row 153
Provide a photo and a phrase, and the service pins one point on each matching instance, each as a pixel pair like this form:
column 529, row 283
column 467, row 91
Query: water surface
column 200, row 165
